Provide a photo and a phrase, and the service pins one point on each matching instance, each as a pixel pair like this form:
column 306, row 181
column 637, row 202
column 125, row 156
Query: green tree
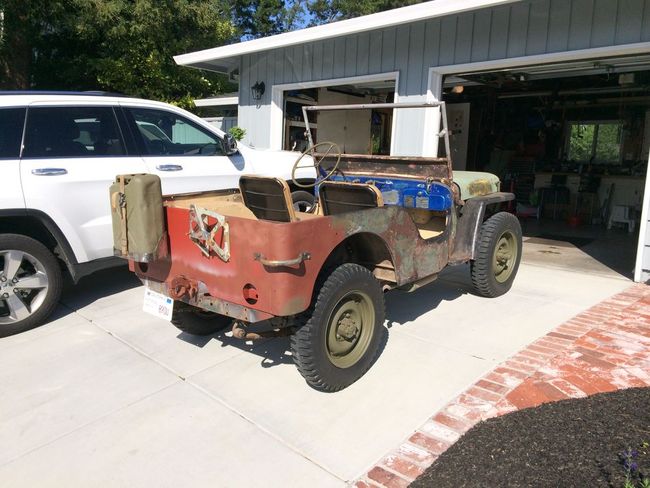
column 324, row 11
column 125, row 46
column 261, row 18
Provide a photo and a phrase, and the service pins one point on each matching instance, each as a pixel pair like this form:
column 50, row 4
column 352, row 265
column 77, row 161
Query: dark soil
column 563, row 444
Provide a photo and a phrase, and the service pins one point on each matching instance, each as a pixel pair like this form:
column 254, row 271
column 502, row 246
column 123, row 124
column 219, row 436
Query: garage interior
column 571, row 141
column 355, row 131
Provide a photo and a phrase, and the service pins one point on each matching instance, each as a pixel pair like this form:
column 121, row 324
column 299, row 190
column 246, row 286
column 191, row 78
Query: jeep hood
column 476, row 183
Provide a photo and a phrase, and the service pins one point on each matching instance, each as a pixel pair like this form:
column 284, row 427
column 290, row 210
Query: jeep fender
column 469, row 225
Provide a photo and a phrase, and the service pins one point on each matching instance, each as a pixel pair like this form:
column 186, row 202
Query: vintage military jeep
column 249, row 259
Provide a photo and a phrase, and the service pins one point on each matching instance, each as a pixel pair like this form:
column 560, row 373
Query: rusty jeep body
column 246, row 257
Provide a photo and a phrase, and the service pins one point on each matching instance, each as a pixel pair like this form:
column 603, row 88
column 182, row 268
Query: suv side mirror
column 229, row 144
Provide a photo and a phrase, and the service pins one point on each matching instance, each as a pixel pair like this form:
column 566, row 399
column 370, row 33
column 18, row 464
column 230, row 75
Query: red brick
column 434, row 446
column 569, row 329
column 386, row 478
column 402, row 466
column 459, row 425
column 567, row 388
column 589, row 384
column 493, row 387
column 550, row 392
column 417, row 454
column 599, row 363
column 558, row 335
column 511, row 372
column 531, row 358
column 504, row 407
column 546, row 351
column 364, row 484
column 520, row 366
column 526, row 395
column 588, row 352
column 484, row 394
column 551, row 344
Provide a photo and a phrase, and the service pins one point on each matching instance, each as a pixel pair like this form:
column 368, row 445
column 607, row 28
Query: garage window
column 595, row 142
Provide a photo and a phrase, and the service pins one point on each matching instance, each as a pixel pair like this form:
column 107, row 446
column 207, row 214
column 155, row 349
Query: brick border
column 604, row 348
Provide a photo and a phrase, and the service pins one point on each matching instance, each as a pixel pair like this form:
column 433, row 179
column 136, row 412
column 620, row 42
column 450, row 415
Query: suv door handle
column 49, row 171
column 169, row 167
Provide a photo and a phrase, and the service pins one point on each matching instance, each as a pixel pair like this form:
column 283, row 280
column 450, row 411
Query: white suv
column 59, row 152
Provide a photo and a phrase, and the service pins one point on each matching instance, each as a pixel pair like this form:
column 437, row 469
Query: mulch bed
column 567, row 443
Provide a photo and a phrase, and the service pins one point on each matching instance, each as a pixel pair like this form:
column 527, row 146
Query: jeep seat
column 268, row 198
column 340, row 197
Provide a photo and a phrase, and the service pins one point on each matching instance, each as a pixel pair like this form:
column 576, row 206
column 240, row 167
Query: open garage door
column 571, row 141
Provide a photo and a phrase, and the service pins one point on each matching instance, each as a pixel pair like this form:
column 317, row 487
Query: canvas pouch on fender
column 138, row 216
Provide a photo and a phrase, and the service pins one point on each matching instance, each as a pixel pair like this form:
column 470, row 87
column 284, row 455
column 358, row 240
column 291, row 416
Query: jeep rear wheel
column 343, row 336
column 30, row 283
column 195, row 321
column 498, row 255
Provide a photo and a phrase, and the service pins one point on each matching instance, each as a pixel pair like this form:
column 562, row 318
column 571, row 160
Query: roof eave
column 389, row 18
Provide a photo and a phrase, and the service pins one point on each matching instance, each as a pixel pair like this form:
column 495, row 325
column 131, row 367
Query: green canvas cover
column 137, row 197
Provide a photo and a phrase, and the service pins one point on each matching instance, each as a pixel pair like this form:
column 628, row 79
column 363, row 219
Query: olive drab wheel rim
column 350, row 329
column 505, row 256
column 316, row 162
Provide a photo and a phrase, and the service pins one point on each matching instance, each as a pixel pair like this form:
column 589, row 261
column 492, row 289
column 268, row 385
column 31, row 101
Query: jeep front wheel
column 343, row 336
column 30, row 283
column 498, row 254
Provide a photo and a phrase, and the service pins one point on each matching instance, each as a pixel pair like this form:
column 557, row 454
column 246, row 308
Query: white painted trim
column 276, row 127
column 549, row 58
column 643, row 228
column 216, row 101
column 389, row 18
column 436, row 73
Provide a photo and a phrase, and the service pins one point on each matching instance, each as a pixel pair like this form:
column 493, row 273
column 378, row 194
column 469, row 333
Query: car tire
column 343, row 336
column 195, row 321
column 25, row 261
column 498, row 255
column 303, row 201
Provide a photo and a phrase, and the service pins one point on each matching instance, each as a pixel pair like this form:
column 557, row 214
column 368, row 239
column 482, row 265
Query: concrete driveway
column 108, row 395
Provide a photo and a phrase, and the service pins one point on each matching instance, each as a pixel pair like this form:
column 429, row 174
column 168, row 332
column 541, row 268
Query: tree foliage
column 124, row 46
column 324, row 11
column 261, row 18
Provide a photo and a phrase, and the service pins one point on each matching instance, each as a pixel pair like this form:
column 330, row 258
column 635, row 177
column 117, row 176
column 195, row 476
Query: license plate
column 158, row 304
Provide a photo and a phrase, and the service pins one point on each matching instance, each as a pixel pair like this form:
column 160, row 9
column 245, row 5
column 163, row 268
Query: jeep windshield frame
column 396, row 163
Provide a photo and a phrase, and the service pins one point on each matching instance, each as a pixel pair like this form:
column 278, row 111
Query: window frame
column 597, row 123
column 127, row 146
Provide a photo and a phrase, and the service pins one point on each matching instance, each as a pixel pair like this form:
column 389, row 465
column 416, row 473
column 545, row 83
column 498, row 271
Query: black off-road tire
column 309, row 344
column 303, row 201
column 195, row 321
column 52, row 269
column 485, row 274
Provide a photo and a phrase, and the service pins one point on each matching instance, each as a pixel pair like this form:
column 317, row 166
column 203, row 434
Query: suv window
column 167, row 134
column 72, row 132
column 11, row 132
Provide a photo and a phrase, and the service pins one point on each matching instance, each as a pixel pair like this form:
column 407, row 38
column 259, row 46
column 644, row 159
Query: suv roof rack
column 93, row 93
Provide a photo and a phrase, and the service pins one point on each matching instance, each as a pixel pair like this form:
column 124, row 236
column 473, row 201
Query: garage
column 571, row 141
column 548, row 94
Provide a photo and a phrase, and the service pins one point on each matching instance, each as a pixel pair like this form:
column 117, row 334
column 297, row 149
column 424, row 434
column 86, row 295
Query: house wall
column 529, row 27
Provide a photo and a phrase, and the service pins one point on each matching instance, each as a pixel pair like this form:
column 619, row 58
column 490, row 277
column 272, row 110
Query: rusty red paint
column 287, row 291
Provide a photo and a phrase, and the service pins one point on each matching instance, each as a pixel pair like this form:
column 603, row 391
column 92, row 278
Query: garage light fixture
column 257, row 90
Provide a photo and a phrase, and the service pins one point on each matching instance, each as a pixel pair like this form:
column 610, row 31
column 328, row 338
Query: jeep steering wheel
column 316, row 163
